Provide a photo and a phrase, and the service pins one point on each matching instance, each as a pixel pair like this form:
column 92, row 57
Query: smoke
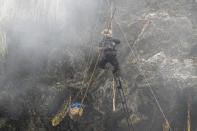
column 37, row 29
column 41, row 42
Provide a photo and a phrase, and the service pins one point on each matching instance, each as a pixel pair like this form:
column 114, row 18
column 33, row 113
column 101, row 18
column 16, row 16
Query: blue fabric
column 76, row 105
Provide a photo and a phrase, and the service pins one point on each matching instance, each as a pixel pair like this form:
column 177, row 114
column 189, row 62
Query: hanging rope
column 90, row 81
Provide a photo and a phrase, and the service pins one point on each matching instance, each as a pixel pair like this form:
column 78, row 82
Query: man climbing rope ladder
column 108, row 48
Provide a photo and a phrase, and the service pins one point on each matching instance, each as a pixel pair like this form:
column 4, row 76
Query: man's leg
column 116, row 71
column 102, row 63
column 101, row 66
column 115, row 64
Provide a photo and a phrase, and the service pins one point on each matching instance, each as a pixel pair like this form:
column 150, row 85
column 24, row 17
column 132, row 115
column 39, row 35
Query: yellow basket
column 75, row 113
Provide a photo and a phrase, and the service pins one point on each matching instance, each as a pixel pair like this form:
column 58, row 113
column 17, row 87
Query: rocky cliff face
column 48, row 51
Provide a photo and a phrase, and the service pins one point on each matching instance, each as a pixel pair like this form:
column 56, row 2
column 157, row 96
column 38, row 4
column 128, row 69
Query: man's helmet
column 107, row 33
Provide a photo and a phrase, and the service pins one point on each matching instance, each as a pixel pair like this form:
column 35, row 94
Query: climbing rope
column 91, row 78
